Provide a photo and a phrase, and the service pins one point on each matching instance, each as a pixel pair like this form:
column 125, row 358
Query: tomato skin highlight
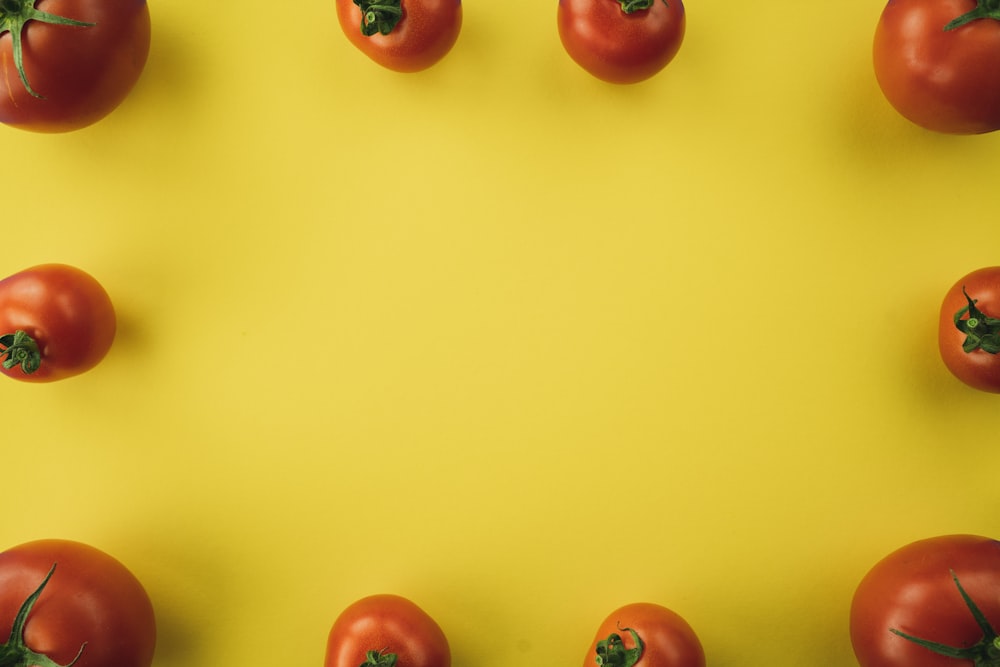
column 944, row 81
column 389, row 624
column 978, row 369
column 426, row 33
column 617, row 47
column 68, row 314
column 82, row 73
column 912, row 590
column 91, row 598
column 669, row 639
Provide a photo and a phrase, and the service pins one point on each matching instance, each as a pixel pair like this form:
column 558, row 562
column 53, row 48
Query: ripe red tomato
column 73, row 74
column 969, row 331
column 910, row 607
column 91, row 608
column 56, row 321
column 402, row 35
column 621, row 41
column 937, row 67
column 646, row 635
column 386, row 630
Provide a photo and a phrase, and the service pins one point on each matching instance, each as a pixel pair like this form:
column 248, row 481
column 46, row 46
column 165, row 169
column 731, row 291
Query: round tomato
column 386, row 630
column 56, row 321
column 402, row 35
column 928, row 604
column 66, row 64
column 938, row 63
column 645, row 635
column 70, row 603
column 621, row 41
column 969, row 329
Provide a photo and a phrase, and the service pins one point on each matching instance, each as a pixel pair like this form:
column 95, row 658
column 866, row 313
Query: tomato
column 80, row 60
column 90, row 611
column 402, row 35
column 386, row 630
column 910, row 609
column 969, row 331
column 56, row 321
column 645, row 635
column 938, row 63
column 621, row 41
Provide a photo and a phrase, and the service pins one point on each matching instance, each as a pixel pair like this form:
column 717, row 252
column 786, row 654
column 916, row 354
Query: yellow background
column 512, row 342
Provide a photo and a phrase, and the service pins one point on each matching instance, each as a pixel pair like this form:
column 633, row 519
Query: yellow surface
column 509, row 341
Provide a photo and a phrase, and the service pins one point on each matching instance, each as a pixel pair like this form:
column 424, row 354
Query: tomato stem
column 982, row 332
column 630, row 6
column 984, row 653
column 379, row 16
column 20, row 349
column 15, row 653
column 985, row 9
column 611, row 652
column 14, row 16
column 379, row 659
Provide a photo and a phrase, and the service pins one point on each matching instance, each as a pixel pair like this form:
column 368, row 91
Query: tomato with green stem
column 65, row 64
column 938, row 63
column 969, row 329
column 621, row 41
column 930, row 603
column 645, row 635
column 383, row 631
column 67, row 603
column 56, row 321
column 402, row 35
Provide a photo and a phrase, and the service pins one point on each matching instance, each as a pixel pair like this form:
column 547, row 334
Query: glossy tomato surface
column 91, row 601
column 944, row 80
column 65, row 311
column 978, row 368
column 912, row 591
column 386, row 624
column 621, row 47
column 81, row 73
column 425, row 33
column 669, row 641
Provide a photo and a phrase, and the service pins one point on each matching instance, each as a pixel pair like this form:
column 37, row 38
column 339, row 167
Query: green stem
column 611, row 652
column 984, row 653
column 20, row 349
column 985, row 9
column 379, row 659
column 982, row 332
column 630, row 6
column 14, row 16
column 15, row 653
column 379, row 16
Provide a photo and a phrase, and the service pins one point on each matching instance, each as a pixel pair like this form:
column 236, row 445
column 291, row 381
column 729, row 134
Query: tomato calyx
column 20, row 349
column 14, row 16
column 984, row 653
column 15, row 653
column 611, row 652
column 982, row 332
column 379, row 16
column 630, row 6
column 379, row 659
column 985, row 9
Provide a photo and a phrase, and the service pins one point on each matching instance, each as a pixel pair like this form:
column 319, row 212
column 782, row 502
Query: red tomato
column 402, row 35
column 910, row 605
column 969, row 331
column 74, row 75
column 946, row 80
column 55, row 322
column 621, row 41
column 386, row 630
column 91, row 607
column 646, row 635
